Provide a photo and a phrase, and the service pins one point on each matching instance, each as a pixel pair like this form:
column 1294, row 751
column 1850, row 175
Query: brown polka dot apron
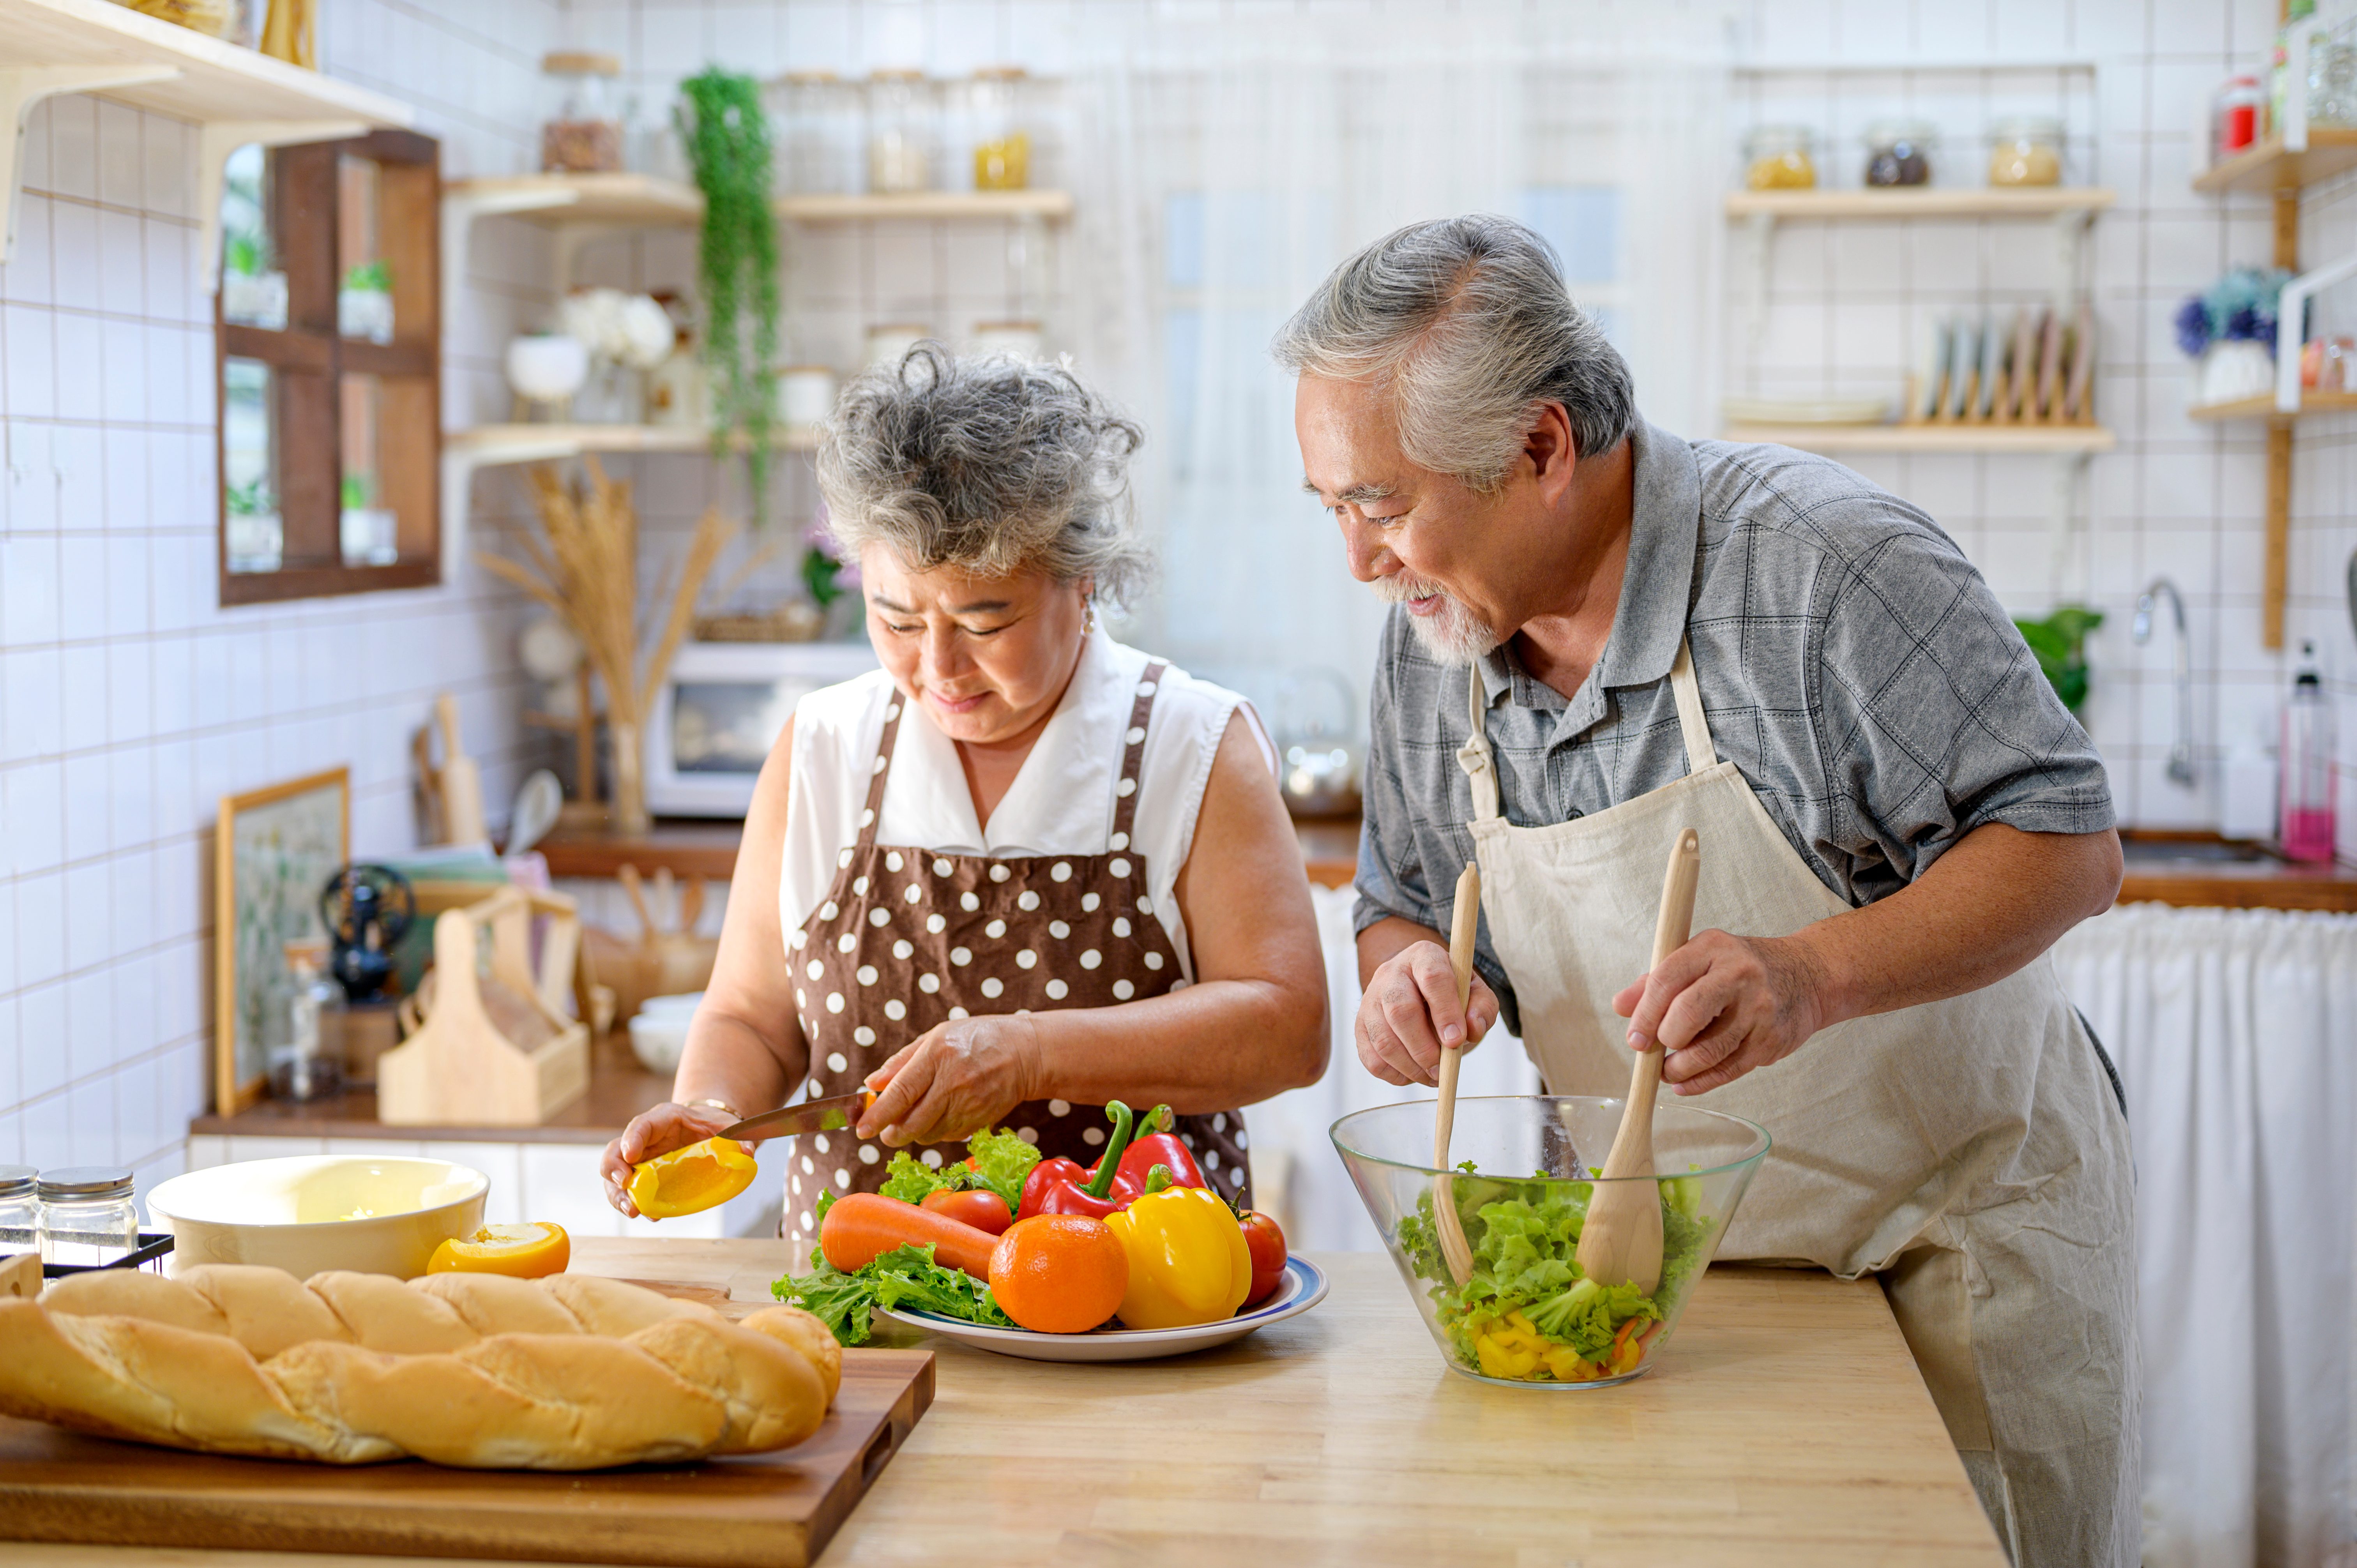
column 908, row 939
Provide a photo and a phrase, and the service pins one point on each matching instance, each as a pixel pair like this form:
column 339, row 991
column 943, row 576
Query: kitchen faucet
column 2181, row 752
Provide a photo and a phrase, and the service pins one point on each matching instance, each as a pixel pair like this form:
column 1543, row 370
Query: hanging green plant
column 728, row 141
column 2060, row 642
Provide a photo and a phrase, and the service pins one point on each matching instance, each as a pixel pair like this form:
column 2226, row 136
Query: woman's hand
column 1724, row 1006
column 655, row 1132
column 953, row 1081
column 1408, row 1013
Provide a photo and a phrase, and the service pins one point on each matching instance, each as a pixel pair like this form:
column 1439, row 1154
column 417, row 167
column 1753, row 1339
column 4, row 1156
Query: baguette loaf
column 569, row 1373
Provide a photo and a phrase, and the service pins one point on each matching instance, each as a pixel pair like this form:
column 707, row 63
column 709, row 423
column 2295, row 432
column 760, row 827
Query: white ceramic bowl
column 312, row 1212
column 548, row 366
column 659, row 1030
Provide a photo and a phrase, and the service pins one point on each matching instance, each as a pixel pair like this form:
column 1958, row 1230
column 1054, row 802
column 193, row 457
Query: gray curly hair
column 1470, row 322
column 994, row 465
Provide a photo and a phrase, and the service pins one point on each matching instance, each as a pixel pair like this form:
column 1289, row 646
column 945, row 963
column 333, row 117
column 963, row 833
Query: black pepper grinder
column 365, row 908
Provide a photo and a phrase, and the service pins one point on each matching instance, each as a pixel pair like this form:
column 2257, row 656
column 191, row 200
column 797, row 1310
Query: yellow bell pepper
column 1189, row 1263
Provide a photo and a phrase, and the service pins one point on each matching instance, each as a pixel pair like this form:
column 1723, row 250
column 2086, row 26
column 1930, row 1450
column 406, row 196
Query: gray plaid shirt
column 1852, row 664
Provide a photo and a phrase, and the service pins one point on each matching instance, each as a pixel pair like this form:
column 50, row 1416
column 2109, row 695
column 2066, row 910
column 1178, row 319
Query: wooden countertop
column 619, row 1090
column 1785, row 1425
column 1330, row 850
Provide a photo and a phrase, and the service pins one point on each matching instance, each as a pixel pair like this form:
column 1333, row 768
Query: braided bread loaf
column 568, row 1373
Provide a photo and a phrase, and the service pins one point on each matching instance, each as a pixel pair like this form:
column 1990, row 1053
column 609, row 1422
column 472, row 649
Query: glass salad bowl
column 1526, row 1316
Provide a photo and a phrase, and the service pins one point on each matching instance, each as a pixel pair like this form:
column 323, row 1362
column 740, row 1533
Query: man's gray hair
column 994, row 465
column 1469, row 321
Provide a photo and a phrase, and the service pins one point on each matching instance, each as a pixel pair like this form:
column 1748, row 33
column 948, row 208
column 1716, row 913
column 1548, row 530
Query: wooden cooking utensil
column 1621, row 1241
column 1454, row 1249
column 461, row 781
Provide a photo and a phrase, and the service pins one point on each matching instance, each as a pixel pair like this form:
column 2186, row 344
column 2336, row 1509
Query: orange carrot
column 863, row 1227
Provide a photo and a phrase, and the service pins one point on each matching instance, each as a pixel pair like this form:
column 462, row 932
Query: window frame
column 310, row 358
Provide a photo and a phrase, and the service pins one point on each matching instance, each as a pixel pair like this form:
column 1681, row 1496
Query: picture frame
column 273, row 851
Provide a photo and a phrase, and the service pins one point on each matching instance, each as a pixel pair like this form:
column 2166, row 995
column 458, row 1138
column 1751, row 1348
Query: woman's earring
column 1089, row 623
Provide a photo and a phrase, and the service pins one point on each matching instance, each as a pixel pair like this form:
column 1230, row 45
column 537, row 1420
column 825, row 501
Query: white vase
column 548, row 367
column 2233, row 369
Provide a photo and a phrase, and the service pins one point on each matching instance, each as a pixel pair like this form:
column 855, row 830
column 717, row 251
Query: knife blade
column 827, row 1115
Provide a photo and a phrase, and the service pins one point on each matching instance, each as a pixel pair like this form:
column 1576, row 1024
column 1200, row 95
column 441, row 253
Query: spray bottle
column 2308, row 759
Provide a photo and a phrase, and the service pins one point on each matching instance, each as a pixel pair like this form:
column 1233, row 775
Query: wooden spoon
column 1454, row 1249
column 1621, row 1241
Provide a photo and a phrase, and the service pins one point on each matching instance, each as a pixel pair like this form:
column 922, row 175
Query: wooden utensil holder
column 492, row 1050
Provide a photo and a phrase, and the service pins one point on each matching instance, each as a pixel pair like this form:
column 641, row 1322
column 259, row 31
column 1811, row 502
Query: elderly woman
column 1022, row 870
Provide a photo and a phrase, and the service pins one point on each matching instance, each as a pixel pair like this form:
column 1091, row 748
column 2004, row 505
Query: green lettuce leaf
column 905, row 1277
column 912, row 1181
column 1002, row 1163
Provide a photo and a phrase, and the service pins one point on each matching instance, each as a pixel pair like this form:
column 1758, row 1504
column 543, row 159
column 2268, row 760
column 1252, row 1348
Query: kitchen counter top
column 1785, row 1424
column 619, row 1090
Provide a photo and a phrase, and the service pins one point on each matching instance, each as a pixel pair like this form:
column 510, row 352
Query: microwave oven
column 720, row 710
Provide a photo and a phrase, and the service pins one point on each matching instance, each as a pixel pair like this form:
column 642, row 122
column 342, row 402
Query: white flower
column 628, row 329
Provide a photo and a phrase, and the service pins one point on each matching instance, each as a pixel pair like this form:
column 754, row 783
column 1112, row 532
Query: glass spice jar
column 1780, row 158
column 899, row 132
column 1002, row 141
column 20, row 1210
column 583, row 131
column 88, row 1215
column 1899, row 153
column 2026, row 149
column 2236, row 116
column 815, row 120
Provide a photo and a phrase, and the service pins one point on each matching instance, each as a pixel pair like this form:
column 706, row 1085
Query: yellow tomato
column 689, row 1180
column 526, row 1252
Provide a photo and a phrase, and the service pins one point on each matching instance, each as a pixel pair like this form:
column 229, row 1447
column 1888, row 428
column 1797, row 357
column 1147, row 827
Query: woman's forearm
column 1212, row 1046
column 728, row 1060
column 1990, row 904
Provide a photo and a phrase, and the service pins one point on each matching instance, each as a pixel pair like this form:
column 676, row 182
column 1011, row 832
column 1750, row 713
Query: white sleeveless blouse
column 1061, row 802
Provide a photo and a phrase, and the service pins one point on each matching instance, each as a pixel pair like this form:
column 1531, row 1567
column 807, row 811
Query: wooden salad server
column 1621, row 1241
column 1467, row 920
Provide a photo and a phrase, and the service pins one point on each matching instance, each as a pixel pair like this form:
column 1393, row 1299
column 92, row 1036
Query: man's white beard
column 1452, row 634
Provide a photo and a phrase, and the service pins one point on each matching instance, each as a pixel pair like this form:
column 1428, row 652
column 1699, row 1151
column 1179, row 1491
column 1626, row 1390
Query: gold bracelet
column 734, row 1115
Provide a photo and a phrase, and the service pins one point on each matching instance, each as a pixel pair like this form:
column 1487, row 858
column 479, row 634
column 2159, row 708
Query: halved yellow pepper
column 1189, row 1263
column 692, row 1179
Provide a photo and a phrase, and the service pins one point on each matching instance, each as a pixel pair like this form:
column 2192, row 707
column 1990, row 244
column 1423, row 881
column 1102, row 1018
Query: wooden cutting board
column 768, row 1511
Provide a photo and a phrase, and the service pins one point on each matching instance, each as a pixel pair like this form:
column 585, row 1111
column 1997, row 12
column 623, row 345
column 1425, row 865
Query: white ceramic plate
column 1304, row 1288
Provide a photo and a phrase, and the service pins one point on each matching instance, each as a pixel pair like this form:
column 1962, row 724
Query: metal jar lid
column 17, row 1181
column 86, row 1182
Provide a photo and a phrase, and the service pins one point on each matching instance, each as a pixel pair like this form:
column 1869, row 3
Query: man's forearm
column 1989, row 905
column 1386, row 937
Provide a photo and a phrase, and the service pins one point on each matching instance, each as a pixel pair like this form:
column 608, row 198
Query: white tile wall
column 2177, row 498
column 129, row 701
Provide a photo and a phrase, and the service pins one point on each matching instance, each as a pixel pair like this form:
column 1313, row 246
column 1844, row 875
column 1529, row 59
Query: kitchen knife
column 841, row 1110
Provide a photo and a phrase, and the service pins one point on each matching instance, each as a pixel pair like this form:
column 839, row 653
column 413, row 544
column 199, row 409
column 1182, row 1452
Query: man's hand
column 1408, row 1014
column 1723, row 1005
column 953, row 1081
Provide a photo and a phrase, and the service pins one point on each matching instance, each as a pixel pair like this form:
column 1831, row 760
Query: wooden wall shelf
column 2266, row 167
column 1920, row 201
column 636, row 200
column 2311, row 404
column 2052, row 439
column 1053, row 205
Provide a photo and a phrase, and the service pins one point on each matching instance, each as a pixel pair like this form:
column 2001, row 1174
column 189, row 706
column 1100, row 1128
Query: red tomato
column 983, row 1210
column 1266, row 1243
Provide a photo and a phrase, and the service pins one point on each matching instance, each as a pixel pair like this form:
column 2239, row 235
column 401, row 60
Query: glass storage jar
column 309, row 1065
column 20, row 1211
column 2333, row 84
column 582, row 132
column 2026, row 149
column 899, row 132
column 88, row 1216
column 814, row 119
column 1780, row 158
column 997, row 101
column 1899, row 153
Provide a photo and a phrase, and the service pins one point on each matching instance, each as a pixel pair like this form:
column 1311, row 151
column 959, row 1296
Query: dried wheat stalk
column 587, row 573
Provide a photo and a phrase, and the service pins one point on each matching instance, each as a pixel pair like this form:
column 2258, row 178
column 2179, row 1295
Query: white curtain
column 2236, row 1034
column 1237, row 152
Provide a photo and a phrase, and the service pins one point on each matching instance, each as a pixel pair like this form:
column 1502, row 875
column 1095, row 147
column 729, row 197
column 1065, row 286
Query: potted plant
column 2229, row 331
column 364, row 303
column 255, row 541
column 2060, row 642
column 369, row 535
column 728, row 138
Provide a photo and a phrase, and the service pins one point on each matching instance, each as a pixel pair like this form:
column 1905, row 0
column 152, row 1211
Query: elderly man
column 1606, row 633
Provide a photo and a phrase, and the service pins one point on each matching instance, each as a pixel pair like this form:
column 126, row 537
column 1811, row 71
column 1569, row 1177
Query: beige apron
column 910, row 937
column 1968, row 1149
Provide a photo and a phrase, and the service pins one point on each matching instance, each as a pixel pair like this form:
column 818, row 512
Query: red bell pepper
column 1060, row 1185
column 1155, row 1145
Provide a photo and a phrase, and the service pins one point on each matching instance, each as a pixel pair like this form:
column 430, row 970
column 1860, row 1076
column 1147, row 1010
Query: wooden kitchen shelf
column 942, row 204
column 2310, row 404
column 635, row 201
column 2265, row 167
column 2060, row 439
column 234, row 95
column 1919, row 201
column 490, row 445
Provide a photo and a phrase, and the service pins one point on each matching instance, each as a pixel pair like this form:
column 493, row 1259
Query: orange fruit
column 1058, row 1273
column 691, row 1180
column 526, row 1252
